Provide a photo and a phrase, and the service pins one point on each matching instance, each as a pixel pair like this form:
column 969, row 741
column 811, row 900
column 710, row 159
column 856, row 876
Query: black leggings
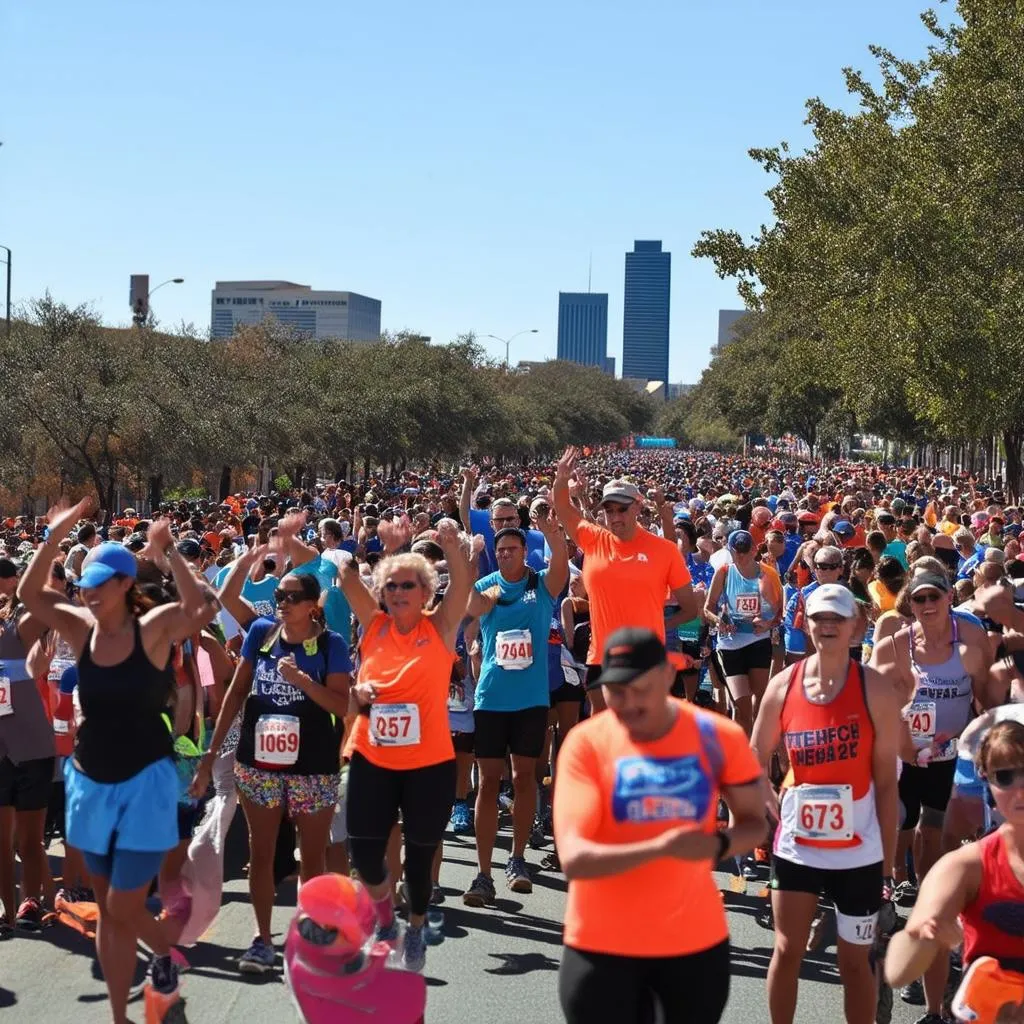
column 375, row 796
column 600, row 986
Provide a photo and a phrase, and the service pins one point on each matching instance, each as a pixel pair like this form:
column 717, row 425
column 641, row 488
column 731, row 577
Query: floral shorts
column 297, row 794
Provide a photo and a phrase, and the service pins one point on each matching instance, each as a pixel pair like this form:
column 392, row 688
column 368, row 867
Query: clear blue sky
column 461, row 160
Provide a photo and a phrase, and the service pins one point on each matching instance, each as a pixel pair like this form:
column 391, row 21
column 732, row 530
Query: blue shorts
column 125, row 870
column 140, row 814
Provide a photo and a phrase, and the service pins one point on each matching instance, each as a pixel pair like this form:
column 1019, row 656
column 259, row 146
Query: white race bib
column 748, row 605
column 57, row 668
column 277, row 741
column 513, row 649
column 6, row 698
column 824, row 813
column 921, row 719
column 394, row 725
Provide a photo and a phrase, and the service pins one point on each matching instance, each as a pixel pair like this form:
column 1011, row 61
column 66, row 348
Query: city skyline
column 583, row 328
column 646, row 312
column 463, row 198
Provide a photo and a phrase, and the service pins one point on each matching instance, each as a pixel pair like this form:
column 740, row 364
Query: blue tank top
column 744, row 603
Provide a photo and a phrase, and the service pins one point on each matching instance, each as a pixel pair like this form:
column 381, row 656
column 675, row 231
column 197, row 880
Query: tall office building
column 728, row 320
column 583, row 328
column 342, row 315
column 645, row 312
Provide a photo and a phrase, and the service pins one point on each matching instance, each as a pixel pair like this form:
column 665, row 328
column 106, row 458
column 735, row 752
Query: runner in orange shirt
column 627, row 570
column 634, row 813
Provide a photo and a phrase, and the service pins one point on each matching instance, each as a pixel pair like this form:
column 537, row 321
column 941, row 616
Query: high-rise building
column 583, row 328
column 645, row 313
column 728, row 320
column 343, row 315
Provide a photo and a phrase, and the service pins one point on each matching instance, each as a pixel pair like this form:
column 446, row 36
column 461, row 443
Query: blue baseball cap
column 741, row 541
column 844, row 528
column 104, row 562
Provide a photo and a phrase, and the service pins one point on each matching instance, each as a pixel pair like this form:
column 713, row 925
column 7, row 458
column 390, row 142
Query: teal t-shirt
column 337, row 612
column 898, row 550
column 514, row 632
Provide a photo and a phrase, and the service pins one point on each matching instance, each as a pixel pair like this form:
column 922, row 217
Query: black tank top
column 122, row 705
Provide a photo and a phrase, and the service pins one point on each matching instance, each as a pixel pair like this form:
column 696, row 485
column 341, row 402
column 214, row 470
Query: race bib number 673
column 824, row 813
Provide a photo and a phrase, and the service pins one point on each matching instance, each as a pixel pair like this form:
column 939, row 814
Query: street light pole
column 140, row 293
column 8, row 306
column 508, row 341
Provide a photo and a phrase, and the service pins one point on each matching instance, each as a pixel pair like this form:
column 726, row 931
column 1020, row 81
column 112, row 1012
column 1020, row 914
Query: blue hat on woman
column 104, row 562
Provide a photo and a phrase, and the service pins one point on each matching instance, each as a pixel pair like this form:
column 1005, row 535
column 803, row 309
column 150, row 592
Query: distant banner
column 655, row 442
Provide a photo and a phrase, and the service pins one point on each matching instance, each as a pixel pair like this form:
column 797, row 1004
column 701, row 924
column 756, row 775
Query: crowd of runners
column 659, row 664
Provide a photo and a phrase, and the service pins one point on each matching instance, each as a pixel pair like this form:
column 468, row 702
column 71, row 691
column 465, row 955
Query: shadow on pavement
column 521, row 963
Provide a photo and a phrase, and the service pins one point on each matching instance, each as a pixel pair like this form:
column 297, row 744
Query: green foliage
column 892, row 276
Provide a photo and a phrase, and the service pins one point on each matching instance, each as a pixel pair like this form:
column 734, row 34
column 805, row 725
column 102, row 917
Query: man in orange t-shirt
column 628, row 572
column 635, row 827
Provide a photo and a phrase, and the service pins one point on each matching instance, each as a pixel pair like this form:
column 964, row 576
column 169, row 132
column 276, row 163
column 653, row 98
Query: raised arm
column 558, row 568
column 298, row 552
column 50, row 607
column 230, row 594
column 567, row 512
column 460, row 580
column 469, row 476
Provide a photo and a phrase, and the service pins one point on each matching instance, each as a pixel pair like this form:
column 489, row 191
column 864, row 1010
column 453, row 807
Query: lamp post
column 8, row 306
column 508, row 341
column 139, row 295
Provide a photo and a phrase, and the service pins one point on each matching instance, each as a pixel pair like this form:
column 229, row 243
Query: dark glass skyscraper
column 583, row 328
column 645, row 312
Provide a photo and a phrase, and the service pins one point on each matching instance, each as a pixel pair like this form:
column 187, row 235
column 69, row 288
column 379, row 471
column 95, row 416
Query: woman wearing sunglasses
column 938, row 664
column 976, row 893
column 292, row 687
column 401, row 755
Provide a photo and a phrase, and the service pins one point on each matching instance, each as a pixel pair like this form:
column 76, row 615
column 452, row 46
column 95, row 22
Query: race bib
column 748, row 605
column 824, row 813
column 457, row 697
column 6, row 700
column 57, row 668
column 921, row 719
column 394, row 725
column 277, row 741
column 61, row 727
column 513, row 649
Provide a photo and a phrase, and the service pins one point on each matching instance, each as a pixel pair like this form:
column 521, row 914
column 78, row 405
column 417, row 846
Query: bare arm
column 568, row 621
column 230, row 594
column 567, row 512
column 889, row 729
column 361, row 600
column 469, row 478
column 288, row 533
column 714, row 596
column 688, row 606
column 460, row 581
column 558, row 567
column 233, row 701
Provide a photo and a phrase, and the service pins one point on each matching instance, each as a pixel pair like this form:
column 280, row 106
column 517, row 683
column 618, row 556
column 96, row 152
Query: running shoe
column 461, row 823
column 414, row 949
column 750, row 871
column 913, row 993
column 480, row 892
column 179, row 960
column 934, row 1018
column 6, row 929
column 30, row 916
column 436, row 895
column 163, row 1001
column 905, row 894
column 506, row 797
column 537, row 836
column 550, row 862
column 517, row 874
column 387, row 932
column 259, row 958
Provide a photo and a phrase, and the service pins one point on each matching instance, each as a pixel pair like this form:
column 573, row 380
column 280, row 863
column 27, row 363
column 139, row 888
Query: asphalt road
column 496, row 965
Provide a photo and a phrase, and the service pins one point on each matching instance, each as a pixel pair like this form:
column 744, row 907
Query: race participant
column 827, row 563
column 939, row 665
column 400, row 750
column 627, row 571
column 635, row 814
column 510, row 713
column 121, row 785
column 27, row 754
column 461, row 695
column 838, row 807
column 976, row 892
column 291, row 685
column 745, row 604
column 701, row 574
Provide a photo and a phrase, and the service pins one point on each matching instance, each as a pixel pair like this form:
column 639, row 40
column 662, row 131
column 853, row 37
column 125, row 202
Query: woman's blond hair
column 429, row 579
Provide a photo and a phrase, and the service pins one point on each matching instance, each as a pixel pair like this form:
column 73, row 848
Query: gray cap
column 620, row 490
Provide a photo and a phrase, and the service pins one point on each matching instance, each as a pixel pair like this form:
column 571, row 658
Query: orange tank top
column 829, row 744
column 407, row 725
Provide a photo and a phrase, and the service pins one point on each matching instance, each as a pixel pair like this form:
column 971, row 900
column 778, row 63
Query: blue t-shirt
column 337, row 612
column 897, row 549
column 519, row 608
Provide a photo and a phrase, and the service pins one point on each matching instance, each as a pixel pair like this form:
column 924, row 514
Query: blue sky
column 463, row 162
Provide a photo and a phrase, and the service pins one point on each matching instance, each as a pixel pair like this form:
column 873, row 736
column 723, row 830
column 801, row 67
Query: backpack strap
column 710, row 744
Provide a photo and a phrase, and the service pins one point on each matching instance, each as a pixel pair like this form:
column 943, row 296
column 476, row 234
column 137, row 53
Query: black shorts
column 747, row 659
column 510, row 732
column 930, row 786
column 567, row 693
column 855, row 892
column 604, row 987
column 692, row 648
column 462, row 742
column 593, row 674
column 26, row 786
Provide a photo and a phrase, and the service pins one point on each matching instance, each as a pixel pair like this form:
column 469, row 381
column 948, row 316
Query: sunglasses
column 931, row 597
column 290, row 596
column 828, row 565
column 616, row 506
column 391, row 586
column 499, row 520
column 1006, row 778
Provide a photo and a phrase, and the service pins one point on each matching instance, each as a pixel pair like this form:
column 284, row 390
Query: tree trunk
column 156, row 491
column 225, row 482
column 366, row 471
column 297, row 474
column 1013, row 442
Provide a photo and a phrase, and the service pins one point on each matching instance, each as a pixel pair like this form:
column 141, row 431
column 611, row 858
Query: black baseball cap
column 8, row 569
column 629, row 652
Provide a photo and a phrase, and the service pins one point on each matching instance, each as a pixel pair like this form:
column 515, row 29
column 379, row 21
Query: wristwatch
column 724, row 841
